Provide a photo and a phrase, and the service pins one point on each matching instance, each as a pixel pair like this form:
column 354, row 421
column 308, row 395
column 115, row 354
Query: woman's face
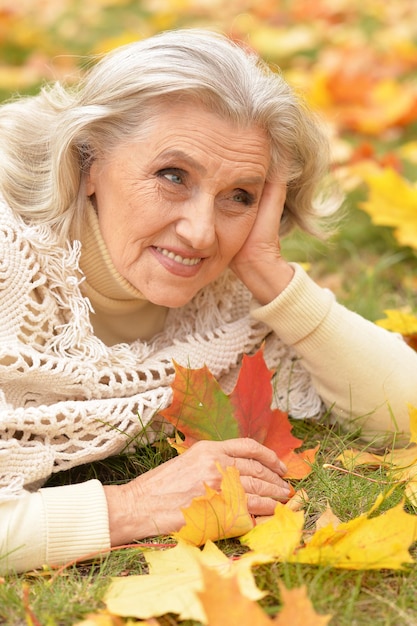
column 176, row 205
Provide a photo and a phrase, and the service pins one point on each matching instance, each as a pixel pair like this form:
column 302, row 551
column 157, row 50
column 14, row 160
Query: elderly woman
column 141, row 219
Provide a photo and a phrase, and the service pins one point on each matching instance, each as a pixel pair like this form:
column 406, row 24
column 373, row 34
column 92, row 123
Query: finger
column 259, row 505
column 247, row 448
column 250, row 467
column 274, row 193
column 258, row 487
column 273, row 200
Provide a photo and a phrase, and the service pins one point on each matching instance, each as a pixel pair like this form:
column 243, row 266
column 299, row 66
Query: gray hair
column 48, row 141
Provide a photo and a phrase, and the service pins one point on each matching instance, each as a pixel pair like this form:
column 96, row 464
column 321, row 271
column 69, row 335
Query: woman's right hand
column 151, row 504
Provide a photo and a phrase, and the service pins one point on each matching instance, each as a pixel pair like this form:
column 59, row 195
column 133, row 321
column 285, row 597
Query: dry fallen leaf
column 297, row 609
column 217, row 514
column 327, row 518
column 174, row 579
column 366, row 542
column 279, row 536
column 222, row 597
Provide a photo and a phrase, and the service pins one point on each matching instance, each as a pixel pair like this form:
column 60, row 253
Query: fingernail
column 284, row 468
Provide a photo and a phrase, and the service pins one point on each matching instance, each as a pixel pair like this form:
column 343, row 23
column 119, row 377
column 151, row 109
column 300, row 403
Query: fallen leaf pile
column 365, row 542
column 203, row 584
column 175, row 578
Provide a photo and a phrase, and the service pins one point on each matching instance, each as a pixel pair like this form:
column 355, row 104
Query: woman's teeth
column 177, row 258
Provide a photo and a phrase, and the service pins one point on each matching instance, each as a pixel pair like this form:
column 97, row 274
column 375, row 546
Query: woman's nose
column 196, row 225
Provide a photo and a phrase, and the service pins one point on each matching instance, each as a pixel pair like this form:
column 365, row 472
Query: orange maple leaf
column 201, row 410
column 223, row 602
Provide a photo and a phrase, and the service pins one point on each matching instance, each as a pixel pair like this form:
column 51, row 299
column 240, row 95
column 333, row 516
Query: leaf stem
column 352, row 473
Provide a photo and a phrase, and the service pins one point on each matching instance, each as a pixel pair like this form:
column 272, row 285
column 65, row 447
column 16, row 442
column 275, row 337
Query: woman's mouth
column 177, row 257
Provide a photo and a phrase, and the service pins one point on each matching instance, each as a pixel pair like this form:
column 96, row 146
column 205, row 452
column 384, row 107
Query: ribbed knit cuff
column 298, row 310
column 76, row 521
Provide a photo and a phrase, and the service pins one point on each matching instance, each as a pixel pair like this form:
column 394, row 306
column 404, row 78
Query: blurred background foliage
column 354, row 61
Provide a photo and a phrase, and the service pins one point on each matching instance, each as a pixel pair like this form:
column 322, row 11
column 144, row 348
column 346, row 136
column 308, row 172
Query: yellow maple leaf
column 399, row 321
column 278, row 536
column 402, row 322
column 365, row 542
column 175, row 577
column 392, row 202
column 217, row 514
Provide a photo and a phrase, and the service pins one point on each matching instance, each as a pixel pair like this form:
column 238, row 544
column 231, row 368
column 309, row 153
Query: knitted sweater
column 67, row 398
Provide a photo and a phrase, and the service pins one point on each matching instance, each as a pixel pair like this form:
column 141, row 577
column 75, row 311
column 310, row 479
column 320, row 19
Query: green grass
column 353, row 597
column 363, row 264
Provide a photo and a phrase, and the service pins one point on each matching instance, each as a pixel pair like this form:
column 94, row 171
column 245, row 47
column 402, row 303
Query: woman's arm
column 58, row 524
column 53, row 526
column 364, row 373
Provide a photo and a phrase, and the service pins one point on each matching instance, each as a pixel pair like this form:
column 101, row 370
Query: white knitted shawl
column 66, row 398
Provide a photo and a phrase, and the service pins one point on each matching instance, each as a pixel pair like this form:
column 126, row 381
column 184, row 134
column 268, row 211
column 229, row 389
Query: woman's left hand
column 259, row 263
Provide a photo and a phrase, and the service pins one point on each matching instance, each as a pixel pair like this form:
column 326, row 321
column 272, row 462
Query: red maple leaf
column 201, row 410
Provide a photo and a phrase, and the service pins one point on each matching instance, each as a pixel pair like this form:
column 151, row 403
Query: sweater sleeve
column 364, row 374
column 53, row 526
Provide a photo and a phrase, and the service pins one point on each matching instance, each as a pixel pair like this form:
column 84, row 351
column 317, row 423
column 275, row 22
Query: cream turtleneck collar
column 121, row 312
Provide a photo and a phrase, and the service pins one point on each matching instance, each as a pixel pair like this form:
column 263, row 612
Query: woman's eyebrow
column 185, row 158
column 249, row 180
column 188, row 159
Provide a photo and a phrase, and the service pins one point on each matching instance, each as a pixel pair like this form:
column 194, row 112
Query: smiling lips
column 177, row 258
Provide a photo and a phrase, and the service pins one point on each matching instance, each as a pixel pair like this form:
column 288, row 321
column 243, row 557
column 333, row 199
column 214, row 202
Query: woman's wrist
column 126, row 522
column 266, row 281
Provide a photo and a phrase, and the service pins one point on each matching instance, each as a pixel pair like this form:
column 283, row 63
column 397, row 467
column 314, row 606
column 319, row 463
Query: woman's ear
column 91, row 178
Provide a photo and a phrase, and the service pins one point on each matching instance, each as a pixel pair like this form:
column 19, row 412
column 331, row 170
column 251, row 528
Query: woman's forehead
column 184, row 131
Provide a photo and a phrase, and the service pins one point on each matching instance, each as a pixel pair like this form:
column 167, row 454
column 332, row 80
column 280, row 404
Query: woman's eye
column 173, row 176
column 242, row 197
